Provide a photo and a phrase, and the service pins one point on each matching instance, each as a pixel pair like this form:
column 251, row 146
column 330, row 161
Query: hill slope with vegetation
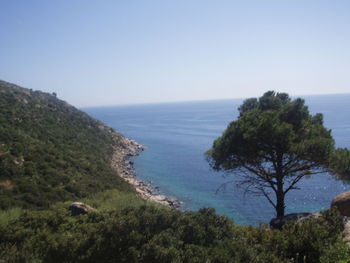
column 50, row 151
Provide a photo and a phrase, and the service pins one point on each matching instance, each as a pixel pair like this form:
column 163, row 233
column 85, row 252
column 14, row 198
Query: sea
column 178, row 134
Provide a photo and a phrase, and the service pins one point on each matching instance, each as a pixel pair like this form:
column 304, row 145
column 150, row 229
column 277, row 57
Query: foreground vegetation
column 145, row 233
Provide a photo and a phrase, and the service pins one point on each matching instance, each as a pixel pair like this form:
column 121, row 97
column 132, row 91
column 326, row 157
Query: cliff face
column 50, row 151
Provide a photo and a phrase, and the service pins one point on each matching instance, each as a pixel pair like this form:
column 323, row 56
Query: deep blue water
column 177, row 135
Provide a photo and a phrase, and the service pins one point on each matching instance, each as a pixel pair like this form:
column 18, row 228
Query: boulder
column 342, row 202
column 278, row 223
column 160, row 198
column 78, row 208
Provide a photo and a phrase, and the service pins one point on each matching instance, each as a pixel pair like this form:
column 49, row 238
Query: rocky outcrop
column 278, row 223
column 342, row 202
column 124, row 150
column 78, row 208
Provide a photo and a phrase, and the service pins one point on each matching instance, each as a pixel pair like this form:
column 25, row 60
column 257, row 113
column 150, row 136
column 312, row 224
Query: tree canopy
column 273, row 144
column 340, row 163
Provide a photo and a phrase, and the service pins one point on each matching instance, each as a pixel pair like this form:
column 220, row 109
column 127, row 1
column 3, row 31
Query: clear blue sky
column 119, row 52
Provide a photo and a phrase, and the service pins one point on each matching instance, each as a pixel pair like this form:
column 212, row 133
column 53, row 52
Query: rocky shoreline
column 124, row 150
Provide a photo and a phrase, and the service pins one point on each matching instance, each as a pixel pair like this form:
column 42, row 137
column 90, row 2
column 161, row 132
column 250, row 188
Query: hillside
column 50, row 151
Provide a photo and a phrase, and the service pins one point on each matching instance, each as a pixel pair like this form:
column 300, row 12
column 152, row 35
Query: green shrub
column 154, row 234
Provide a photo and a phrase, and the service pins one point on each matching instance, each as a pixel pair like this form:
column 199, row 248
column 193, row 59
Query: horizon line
column 200, row 100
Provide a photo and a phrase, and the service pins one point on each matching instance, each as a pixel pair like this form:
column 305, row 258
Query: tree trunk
column 280, row 192
column 280, row 199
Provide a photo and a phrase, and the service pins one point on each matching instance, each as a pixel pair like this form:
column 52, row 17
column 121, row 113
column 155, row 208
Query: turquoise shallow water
column 177, row 135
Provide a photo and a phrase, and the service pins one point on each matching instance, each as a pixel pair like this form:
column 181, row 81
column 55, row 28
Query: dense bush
column 149, row 234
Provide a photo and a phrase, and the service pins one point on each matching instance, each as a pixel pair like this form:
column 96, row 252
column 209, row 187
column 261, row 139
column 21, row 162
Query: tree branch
column 268, row 198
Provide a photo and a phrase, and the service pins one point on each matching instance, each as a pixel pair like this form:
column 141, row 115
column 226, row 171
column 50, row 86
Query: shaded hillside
column 50, row 151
